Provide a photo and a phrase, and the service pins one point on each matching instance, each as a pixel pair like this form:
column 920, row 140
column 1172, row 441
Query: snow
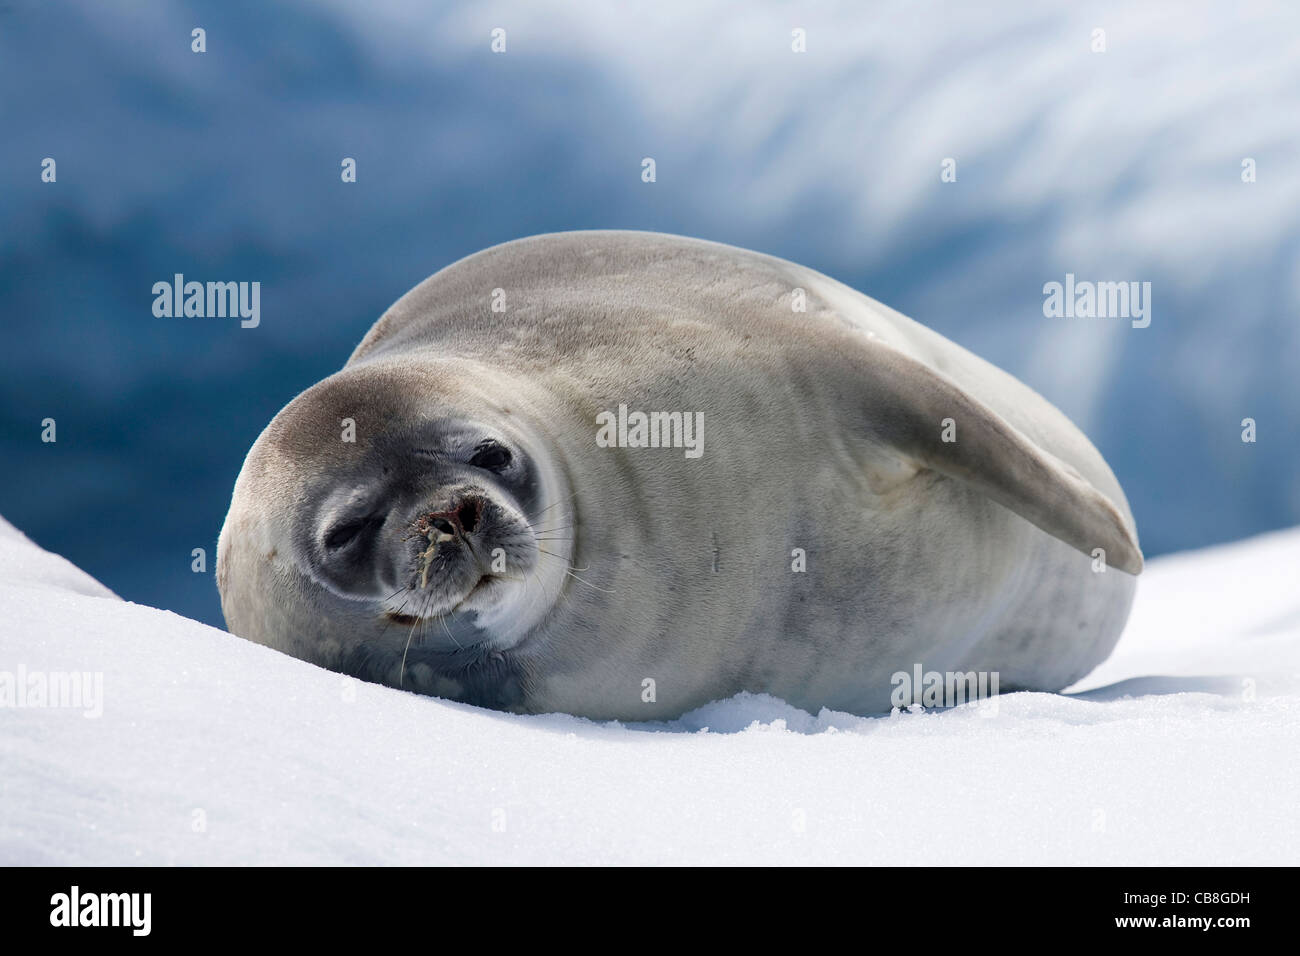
column 1180, row 749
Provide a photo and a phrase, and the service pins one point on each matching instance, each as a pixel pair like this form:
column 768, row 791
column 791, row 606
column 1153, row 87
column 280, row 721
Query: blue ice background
column 226, row 166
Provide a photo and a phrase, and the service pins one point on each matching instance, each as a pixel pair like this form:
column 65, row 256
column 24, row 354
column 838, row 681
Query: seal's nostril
column 443, row 525
column 467, row 514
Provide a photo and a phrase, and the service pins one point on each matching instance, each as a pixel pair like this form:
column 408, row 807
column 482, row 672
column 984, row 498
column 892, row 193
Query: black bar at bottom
column 939, row 904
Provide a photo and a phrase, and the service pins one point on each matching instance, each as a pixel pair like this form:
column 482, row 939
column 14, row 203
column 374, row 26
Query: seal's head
column 401, row 522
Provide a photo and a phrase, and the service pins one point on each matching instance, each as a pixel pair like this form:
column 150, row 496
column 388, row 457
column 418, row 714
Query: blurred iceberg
column 1117, row 165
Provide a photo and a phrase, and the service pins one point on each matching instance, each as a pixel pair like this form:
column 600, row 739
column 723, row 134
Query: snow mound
column 200, row 748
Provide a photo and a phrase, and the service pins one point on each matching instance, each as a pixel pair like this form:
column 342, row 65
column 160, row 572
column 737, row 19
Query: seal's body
column 842, row 495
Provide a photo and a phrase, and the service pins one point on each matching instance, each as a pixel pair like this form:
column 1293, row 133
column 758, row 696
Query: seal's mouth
column 406, row 620
column 481, row 588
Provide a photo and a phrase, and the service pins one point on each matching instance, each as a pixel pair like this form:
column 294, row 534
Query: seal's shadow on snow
column 1223, row 685
column 747, row 711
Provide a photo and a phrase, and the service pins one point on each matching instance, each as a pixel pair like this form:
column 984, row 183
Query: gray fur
column 822, row 432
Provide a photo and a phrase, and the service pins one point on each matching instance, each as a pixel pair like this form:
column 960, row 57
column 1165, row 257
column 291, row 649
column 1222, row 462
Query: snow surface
column 1180, row 749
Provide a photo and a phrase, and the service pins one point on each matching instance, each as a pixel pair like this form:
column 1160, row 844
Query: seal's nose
column 460, row 519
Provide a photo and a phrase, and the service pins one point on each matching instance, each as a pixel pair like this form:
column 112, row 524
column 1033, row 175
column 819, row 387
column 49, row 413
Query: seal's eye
column 346, row 532
column 490, row 455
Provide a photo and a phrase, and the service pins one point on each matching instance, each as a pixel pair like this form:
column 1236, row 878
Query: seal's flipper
column 907, row 404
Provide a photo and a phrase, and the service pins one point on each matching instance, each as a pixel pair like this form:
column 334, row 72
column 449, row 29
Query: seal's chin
column 466, row 621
